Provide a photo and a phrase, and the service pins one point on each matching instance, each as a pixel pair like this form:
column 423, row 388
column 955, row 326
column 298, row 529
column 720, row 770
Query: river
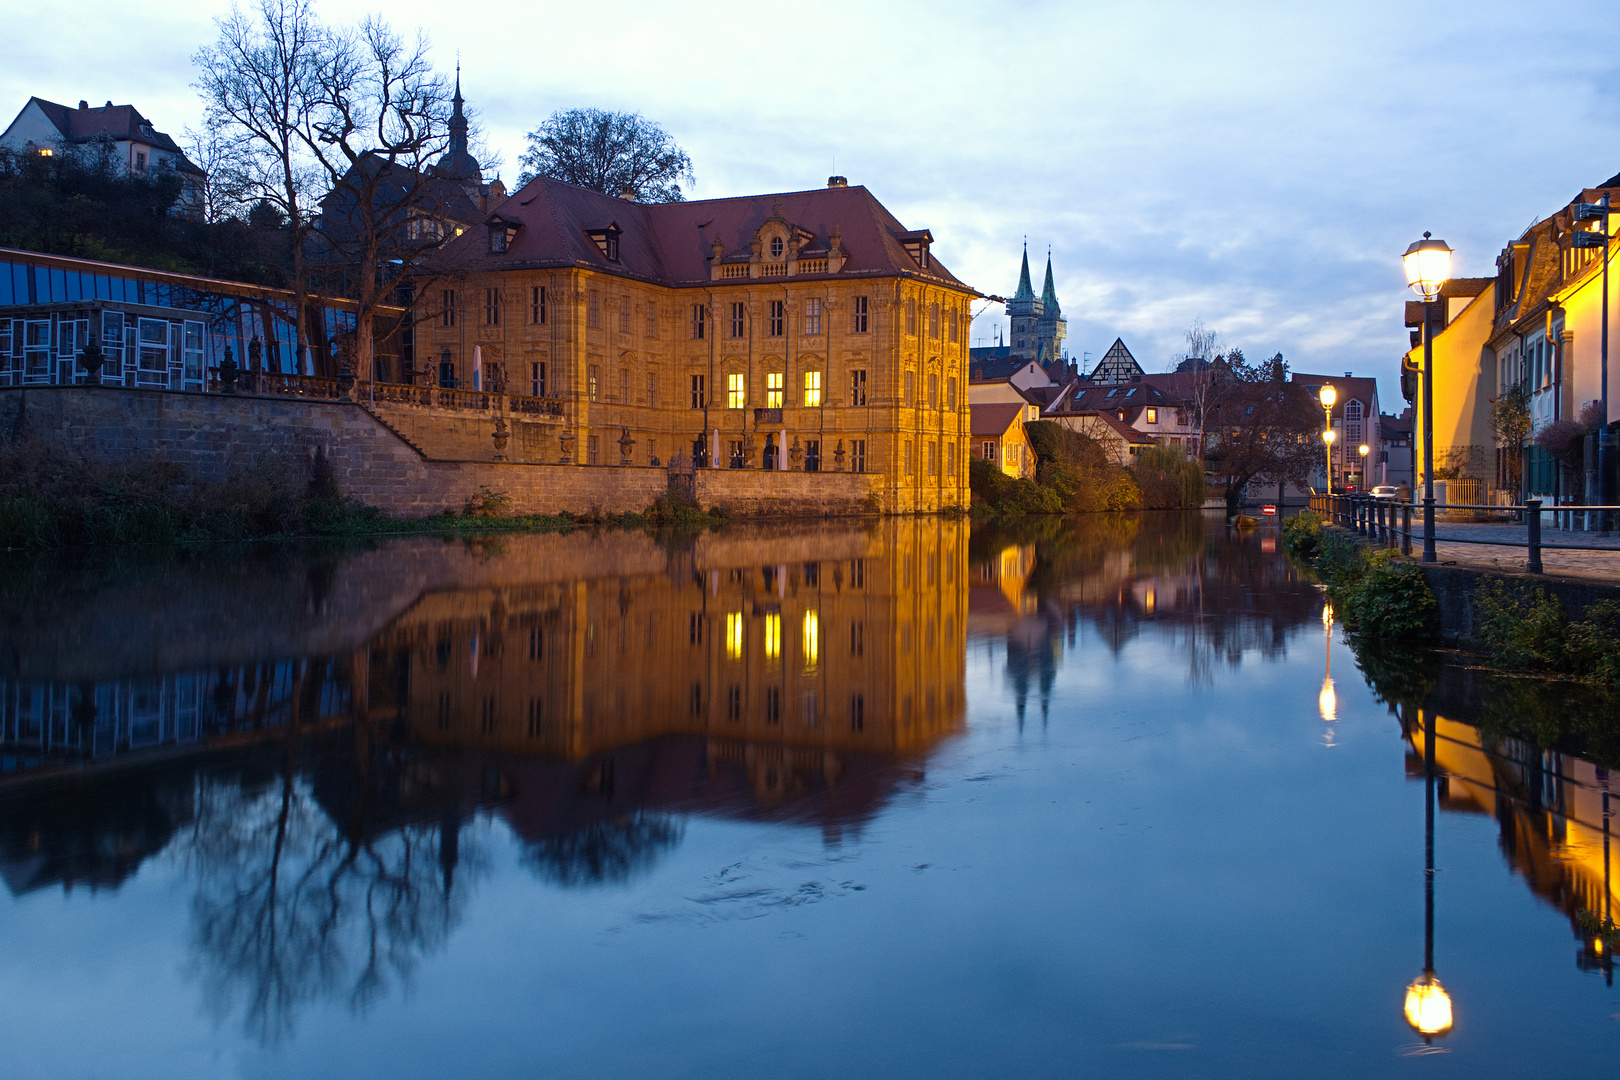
column 918, row 798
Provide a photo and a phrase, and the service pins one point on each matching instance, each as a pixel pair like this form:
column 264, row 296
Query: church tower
column 1051, row 328
column 1025, row 311
column 457, row 162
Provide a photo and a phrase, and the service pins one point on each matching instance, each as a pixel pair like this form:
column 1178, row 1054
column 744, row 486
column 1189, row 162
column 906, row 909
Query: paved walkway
column 1510, row 555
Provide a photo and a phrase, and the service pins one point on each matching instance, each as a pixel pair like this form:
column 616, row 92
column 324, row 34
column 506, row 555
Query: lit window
column 812, row 639
column 812, row 389
column 773, row 636
column 734, row 635
column 46, row 151
column 736, row 390
column 1152, row 415
column 592, row 373
column 773, row 390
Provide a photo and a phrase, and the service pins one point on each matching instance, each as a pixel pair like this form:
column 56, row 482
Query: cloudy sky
column 1257, row 166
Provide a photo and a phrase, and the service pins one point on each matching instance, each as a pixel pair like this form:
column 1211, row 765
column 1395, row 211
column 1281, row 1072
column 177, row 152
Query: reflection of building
column 780, row 663
column 1552, row 809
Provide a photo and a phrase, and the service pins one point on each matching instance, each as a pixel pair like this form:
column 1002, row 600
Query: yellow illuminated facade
column 856, row 644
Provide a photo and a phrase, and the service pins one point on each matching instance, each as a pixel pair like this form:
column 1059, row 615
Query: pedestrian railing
column 1390, row 522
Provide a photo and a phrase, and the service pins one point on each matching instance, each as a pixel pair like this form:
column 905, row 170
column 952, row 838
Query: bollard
column 1532, row 519
column 1406, row 529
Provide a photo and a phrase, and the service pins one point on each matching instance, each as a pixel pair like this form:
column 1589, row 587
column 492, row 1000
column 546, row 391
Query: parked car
column 1385, row 491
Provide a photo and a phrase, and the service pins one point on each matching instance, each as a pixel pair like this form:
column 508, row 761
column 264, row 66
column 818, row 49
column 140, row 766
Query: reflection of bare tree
column 606, row 851
column 289, row 908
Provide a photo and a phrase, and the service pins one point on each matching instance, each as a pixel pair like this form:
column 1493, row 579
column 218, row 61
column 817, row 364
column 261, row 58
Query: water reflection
column 588, row 692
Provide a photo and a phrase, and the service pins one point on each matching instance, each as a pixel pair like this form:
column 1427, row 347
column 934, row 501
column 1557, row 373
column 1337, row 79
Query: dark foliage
column 80, row 204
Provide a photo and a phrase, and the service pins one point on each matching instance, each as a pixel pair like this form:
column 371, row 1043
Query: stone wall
column 217, row 438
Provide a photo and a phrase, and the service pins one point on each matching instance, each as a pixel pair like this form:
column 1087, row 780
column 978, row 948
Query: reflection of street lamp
column 1327, row 702
column 1428, row 1006
column 1328, row 396
column 1428, row 265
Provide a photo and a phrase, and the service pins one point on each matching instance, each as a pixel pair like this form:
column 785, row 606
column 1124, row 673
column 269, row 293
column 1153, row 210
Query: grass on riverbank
column 1376, row 594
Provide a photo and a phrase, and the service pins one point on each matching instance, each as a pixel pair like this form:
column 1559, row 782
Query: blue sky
column 1257, row 166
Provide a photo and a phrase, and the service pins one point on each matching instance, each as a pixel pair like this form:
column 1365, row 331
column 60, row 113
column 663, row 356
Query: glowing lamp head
column 1328, row 396
column 1428, row 266
column 1363, row 449
column 1428, row 1006
column 1329, row 435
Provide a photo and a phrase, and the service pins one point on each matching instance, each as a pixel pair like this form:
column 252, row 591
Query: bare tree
column 1259, row 425
column 378, row 114
column 258, row 83
column 610, row 152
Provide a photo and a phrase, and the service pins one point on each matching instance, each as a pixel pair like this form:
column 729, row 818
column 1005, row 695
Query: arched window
column 1352, row 423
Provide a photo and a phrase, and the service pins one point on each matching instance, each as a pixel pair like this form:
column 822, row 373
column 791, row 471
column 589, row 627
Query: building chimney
column 108, row 105
column 838, row 181
column 1349, row 375
column 83, row 104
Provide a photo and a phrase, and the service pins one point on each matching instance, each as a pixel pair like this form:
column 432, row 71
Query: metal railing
column 433, row 397
column 1377, row 520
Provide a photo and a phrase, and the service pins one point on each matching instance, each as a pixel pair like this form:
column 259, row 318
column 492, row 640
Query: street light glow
column 1428, row 1006
column 1428, row 266
column 1328, row 396
column 1329, row 435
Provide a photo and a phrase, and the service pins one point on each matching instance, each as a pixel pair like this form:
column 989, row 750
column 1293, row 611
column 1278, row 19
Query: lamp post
column 1428, row 265
column 1428, row 1006
column 1363, row 449
column 1327, row 441
column 1599, row 212
column 1327, row 397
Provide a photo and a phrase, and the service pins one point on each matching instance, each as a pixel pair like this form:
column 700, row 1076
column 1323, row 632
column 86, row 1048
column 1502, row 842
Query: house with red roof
column 133, row 144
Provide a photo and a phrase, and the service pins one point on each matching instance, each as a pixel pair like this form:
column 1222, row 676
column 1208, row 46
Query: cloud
column 1257, row 165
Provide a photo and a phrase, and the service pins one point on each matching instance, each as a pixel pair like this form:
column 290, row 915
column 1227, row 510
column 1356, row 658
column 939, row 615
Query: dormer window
column 606, row 240
column 916, row 245
column 502, row 231
column 776, row 247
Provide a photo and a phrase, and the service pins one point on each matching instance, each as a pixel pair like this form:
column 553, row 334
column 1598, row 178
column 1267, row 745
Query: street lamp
column 1327, row 396
column 1428, row 1006
column 1428, row 265
column 1363, row 451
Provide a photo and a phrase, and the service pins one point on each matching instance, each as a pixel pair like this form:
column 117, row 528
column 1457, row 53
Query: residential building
column 1355, row 422
column 130, row 141
column 1141, row 405
column 808, row 330
column 1395, row 461
column 1116, row 366
column 998, row 437
column 1119, row 439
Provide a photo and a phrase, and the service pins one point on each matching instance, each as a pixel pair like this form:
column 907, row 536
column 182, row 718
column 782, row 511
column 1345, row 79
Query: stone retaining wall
column 218, row 437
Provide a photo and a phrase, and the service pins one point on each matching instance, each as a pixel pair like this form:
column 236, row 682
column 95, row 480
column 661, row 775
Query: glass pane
column 58, row 286
column 42, row 286
column 6, row 296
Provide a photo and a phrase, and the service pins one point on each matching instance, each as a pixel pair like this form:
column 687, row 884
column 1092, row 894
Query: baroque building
column 807, row 331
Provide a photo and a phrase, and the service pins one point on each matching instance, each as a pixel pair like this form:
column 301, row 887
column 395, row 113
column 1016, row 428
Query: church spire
column 1048, row 292
column 458, row 120
column 1026, row 291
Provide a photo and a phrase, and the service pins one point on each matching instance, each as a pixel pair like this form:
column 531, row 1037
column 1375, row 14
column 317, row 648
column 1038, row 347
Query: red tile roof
column 110, row 121
column 995, row 418
column 672, row 243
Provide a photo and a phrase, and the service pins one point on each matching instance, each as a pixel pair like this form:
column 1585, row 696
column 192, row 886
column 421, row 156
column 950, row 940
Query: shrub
column 1302, row 535
column 1390, row 600
column 1167, row 480
column 1525, row 629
